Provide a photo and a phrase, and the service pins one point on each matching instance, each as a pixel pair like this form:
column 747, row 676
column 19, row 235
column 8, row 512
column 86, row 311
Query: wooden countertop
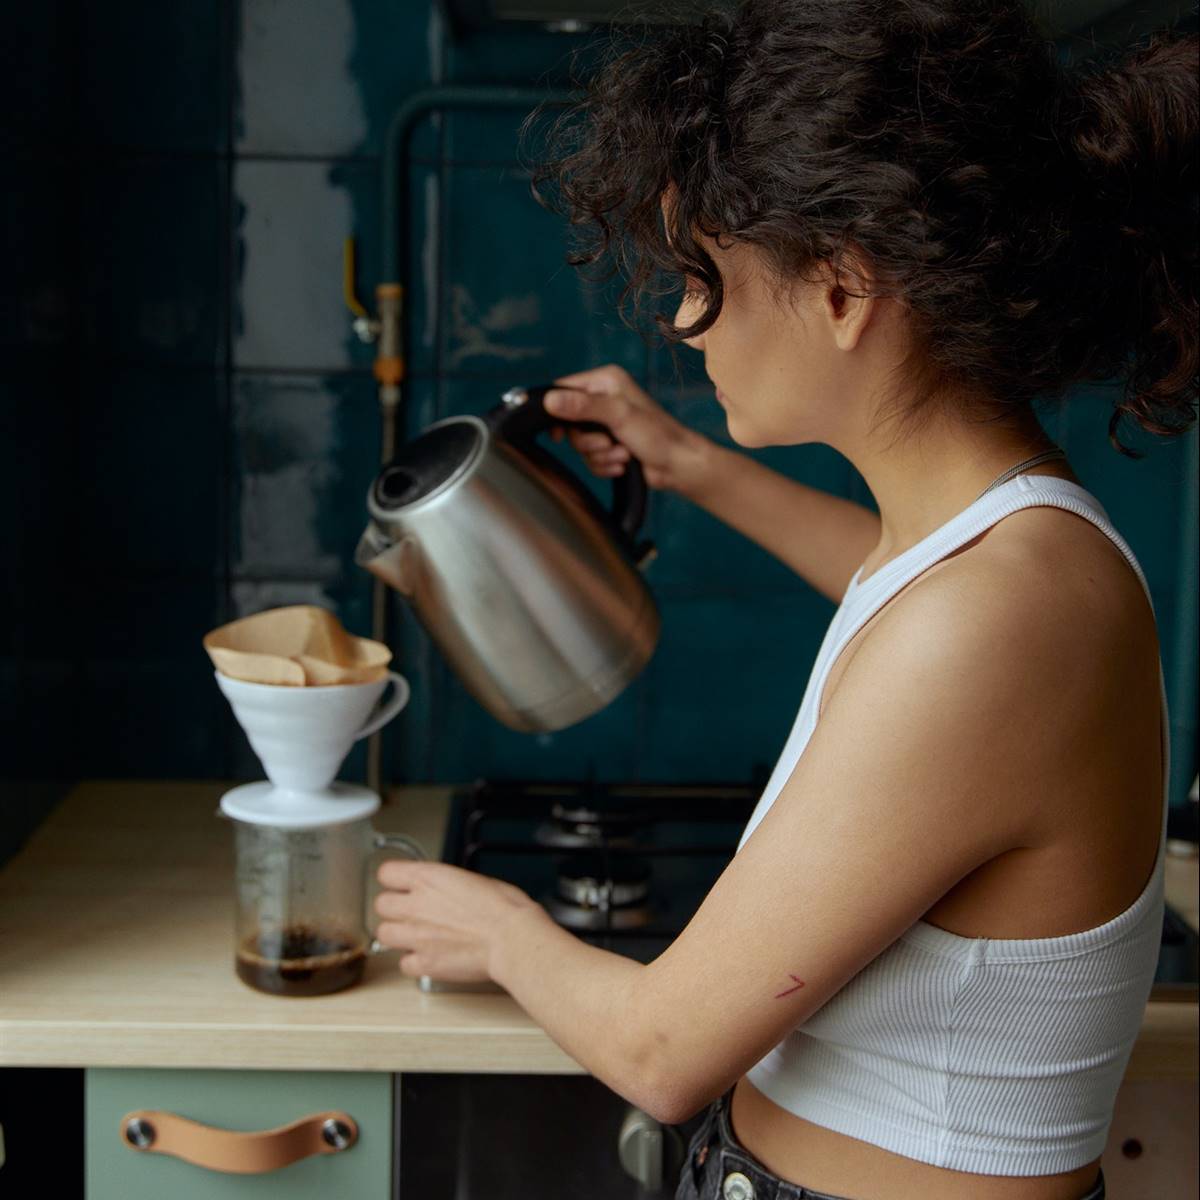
column 116, row 946
column 116, row 949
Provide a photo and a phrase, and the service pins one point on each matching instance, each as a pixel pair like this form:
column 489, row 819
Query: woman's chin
column 746, row 438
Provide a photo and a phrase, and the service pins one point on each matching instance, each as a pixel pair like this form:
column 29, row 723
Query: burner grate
column 578, row 846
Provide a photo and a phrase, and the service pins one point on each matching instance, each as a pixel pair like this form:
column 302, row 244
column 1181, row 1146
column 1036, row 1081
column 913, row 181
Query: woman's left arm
column 915, row 775
column 460, row 926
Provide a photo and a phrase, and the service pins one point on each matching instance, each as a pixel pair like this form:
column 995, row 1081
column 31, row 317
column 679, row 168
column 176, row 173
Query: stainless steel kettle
column 530, row 589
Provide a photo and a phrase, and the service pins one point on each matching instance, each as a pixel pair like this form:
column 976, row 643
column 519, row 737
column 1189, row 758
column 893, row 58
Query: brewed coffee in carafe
column 301, row 907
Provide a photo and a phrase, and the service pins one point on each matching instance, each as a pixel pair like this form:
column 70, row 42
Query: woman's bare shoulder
column 1049, row 572
column 1069, row 619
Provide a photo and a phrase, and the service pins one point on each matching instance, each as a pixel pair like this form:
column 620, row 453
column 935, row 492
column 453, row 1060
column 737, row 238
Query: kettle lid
column 429, row 462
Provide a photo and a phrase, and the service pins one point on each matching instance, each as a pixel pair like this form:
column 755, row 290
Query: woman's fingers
column 395, row 935
column 586, row 442
column 613, row 457
column 401, row 874
column 609, row 378
column 634, row 424
column 608, row 462
column 393, row 904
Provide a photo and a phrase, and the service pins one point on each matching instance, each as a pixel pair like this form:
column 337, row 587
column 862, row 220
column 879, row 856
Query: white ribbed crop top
column 994, row 1056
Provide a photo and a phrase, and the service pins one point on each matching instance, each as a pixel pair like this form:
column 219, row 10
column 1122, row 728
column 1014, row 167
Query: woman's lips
column 720, row 396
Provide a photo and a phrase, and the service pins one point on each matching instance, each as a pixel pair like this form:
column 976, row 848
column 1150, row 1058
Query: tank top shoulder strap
column 1023, row 491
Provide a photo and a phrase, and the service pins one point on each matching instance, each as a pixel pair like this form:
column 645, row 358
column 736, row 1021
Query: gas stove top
column 626, row 866
column 623, row 866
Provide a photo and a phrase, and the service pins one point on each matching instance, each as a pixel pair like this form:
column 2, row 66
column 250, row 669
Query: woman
column 897, row 225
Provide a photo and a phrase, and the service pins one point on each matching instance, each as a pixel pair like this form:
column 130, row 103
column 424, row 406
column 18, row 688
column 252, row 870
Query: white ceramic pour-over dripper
column 302, row 736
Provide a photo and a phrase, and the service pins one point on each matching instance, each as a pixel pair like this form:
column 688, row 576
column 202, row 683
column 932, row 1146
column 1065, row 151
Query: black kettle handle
column 522, row 416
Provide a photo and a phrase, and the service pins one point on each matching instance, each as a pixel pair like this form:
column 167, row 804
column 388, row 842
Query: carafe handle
column 522, row 416
column 397, row 843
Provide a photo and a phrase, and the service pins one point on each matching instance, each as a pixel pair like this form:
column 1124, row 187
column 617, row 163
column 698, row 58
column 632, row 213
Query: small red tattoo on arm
column 799, row 985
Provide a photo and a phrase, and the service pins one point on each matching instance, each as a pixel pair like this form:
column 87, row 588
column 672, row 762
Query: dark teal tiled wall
column 39, row 220
column 198, row 424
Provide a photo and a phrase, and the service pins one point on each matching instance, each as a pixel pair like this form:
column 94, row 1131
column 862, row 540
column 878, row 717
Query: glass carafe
column 303, row 927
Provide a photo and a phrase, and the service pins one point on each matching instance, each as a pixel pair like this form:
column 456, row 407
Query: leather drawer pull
column 156, row 1132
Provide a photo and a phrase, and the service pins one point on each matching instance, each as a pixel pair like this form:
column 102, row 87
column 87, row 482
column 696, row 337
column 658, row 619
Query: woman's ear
column 847, row 300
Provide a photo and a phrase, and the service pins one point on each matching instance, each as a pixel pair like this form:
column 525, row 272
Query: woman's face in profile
column 779, row 378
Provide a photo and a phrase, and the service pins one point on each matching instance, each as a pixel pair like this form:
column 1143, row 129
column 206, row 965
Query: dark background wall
column 188, row 424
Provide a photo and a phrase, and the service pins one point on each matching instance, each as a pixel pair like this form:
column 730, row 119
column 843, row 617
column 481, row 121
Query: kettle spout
column 385, row 558
column 372, row 544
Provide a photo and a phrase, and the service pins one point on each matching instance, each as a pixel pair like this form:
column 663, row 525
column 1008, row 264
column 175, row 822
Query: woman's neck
column 921, row 483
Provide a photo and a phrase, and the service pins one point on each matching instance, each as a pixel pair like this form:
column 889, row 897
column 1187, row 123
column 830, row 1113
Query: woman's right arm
column 822, row 537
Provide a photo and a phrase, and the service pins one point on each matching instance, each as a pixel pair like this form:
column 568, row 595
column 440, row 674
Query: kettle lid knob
column 428, row 463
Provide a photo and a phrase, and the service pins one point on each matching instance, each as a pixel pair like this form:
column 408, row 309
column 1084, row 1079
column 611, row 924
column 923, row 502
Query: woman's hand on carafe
column 444, row 918
column 673, row 457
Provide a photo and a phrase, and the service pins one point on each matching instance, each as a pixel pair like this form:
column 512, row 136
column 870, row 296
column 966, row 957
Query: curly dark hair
column 1038, row 222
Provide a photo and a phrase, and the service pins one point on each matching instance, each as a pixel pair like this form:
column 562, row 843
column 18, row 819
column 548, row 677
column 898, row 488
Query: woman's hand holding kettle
column 673, row 457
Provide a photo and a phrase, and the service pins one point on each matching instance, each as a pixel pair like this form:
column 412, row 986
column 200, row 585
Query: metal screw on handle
column 336, row 1134
column 140, row 1133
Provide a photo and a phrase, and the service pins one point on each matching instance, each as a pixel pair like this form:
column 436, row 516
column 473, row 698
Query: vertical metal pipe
column 389, row 372
column 389, row 360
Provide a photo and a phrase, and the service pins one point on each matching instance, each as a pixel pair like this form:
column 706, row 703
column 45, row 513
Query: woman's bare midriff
column 1076, row 880
column 827, row 1161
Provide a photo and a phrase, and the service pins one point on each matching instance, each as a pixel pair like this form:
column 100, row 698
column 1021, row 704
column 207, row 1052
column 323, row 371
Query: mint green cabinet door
column 243, row 1101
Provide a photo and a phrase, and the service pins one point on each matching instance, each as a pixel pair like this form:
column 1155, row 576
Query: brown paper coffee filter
column 368, row 660
column 257, row 668
column 299, row 645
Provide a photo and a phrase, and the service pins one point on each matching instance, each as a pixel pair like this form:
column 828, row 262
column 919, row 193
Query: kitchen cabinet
column 41, row 1131
column 1152, row 1144
column 457, row 1139
column 242, row 1101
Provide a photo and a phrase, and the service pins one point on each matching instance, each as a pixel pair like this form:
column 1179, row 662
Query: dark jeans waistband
column 719, row 1167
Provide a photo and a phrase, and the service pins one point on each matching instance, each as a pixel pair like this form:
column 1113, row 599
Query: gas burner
column 594, row 894
column 583, row 823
